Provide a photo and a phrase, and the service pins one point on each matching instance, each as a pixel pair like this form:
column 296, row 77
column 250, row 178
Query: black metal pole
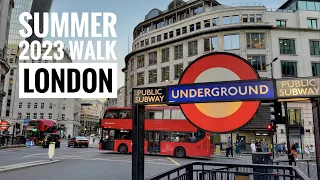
column 285, row 104
column 272, row 145
column 316, row 125
column 138, row 143
column 301, row 142
column 231, row 145
column 13, row 131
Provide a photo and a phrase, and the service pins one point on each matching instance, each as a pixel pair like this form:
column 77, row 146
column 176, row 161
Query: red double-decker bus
column 167, row 132
column 37, row 129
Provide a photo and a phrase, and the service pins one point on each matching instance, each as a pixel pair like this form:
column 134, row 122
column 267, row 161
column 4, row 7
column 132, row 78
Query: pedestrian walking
column 312, row 152
column 264, row 145
column 307, row 151
column 229, row 147
column 259, row 146
column 253, row 147
column 238, row 148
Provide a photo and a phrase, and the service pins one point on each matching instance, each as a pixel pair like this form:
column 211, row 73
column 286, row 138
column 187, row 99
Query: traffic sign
column 220, row 117
column 4, row 125
column 25, row 121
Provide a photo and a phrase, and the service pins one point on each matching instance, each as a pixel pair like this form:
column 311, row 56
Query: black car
column 51, row 138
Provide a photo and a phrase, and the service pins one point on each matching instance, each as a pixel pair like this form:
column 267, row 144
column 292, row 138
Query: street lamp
column 270, row 64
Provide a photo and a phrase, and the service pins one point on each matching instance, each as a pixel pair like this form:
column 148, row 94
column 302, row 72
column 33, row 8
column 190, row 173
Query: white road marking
column 175, row 162
column 102, row 159
column 34, row 155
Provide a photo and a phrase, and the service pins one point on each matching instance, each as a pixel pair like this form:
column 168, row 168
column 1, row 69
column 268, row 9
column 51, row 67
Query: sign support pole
column 138, row 142
column 285, row 104
column 316, row 125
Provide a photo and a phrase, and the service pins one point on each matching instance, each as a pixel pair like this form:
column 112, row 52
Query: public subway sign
column 298, row 88
column 157, row 95
column 221, row 92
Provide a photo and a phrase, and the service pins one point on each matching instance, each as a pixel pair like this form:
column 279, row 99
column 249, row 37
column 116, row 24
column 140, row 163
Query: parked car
column 51, row 138
column 78, row 141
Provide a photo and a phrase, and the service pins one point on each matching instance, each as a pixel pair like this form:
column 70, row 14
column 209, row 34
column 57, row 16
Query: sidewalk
column 12, row 146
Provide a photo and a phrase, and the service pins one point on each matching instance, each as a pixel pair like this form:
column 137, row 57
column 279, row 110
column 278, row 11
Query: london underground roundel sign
column 219, row 117
column 4, row 125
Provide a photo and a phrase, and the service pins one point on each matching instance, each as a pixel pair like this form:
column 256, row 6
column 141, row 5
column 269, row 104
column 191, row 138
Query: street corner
column 25, row 165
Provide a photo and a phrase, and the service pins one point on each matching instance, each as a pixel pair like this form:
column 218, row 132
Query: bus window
column 158, row 114
column 177, row 114
column 166, row 114
column 125, row 114
column 111, row 114
column 151, row 114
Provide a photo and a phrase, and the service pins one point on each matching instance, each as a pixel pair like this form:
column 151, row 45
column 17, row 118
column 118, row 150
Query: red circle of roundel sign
column 4, row 125
column 219, row 117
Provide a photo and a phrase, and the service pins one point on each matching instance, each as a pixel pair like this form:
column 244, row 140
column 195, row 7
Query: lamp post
column 270, row 64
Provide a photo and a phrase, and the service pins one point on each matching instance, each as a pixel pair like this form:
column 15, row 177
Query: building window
column 312, row 23
column 50, row 105
column 140, row 79
column 178, row 70
column 251, row 18
column 258, row 17
column 258, row 62
column 289, row 69
column 184, row 30
column 226, row 20
column 28, row 115
column 178, row 52
column 147, row 42
column 35, row 115
column 19, row 115
column 294, row 116
column 42, row 105
column 192, row 48
column 215, row 22
column 316, row 69
column 132, row 64
column 29, row 105
column 142, row 43
column 64, row 107
column 152, row 58
column 165, row 73
column 63, row 116
column 210, row 44
column 41, row 115
column 245, row 18
column 171, row 34
column 8, row 102
column 235, row 19
column 153, row 40
column 281, row 23
column 158, row 38
column 287, row 46
column 198, row 25
column 35, row 105
column 20, row 105
column 255, row 40
column 178, row 32
column 11, row 71
column 191, row 27
column 207, row 23
column 50, row 115
column 231, row 42
column 165, row 36
column 165, row 55
column 314, row 47
column 140, row 62
column 153, row 76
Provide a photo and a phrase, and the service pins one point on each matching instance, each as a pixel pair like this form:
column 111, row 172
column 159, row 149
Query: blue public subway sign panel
column 222, row 92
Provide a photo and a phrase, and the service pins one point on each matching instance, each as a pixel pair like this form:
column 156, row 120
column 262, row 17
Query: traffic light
column 277, row 112
column 272, row 127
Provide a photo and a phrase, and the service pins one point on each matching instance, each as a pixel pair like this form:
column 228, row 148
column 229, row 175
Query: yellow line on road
column 175, row 162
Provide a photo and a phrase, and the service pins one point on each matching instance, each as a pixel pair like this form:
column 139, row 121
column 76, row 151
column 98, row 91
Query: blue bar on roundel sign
column 222, row 92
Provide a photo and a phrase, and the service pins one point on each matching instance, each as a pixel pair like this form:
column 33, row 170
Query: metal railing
column 307, row 166
column 226, row 171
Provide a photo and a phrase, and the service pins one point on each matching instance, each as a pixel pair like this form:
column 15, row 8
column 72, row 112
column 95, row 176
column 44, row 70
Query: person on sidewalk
column 312, row 152
column 307, row 151
column 264, row 145
column 238, row 148
column 229, row 147
column 253, row 147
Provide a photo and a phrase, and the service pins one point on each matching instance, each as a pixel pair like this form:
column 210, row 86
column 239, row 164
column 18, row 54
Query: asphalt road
column 82, row 163
column 89, row 163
